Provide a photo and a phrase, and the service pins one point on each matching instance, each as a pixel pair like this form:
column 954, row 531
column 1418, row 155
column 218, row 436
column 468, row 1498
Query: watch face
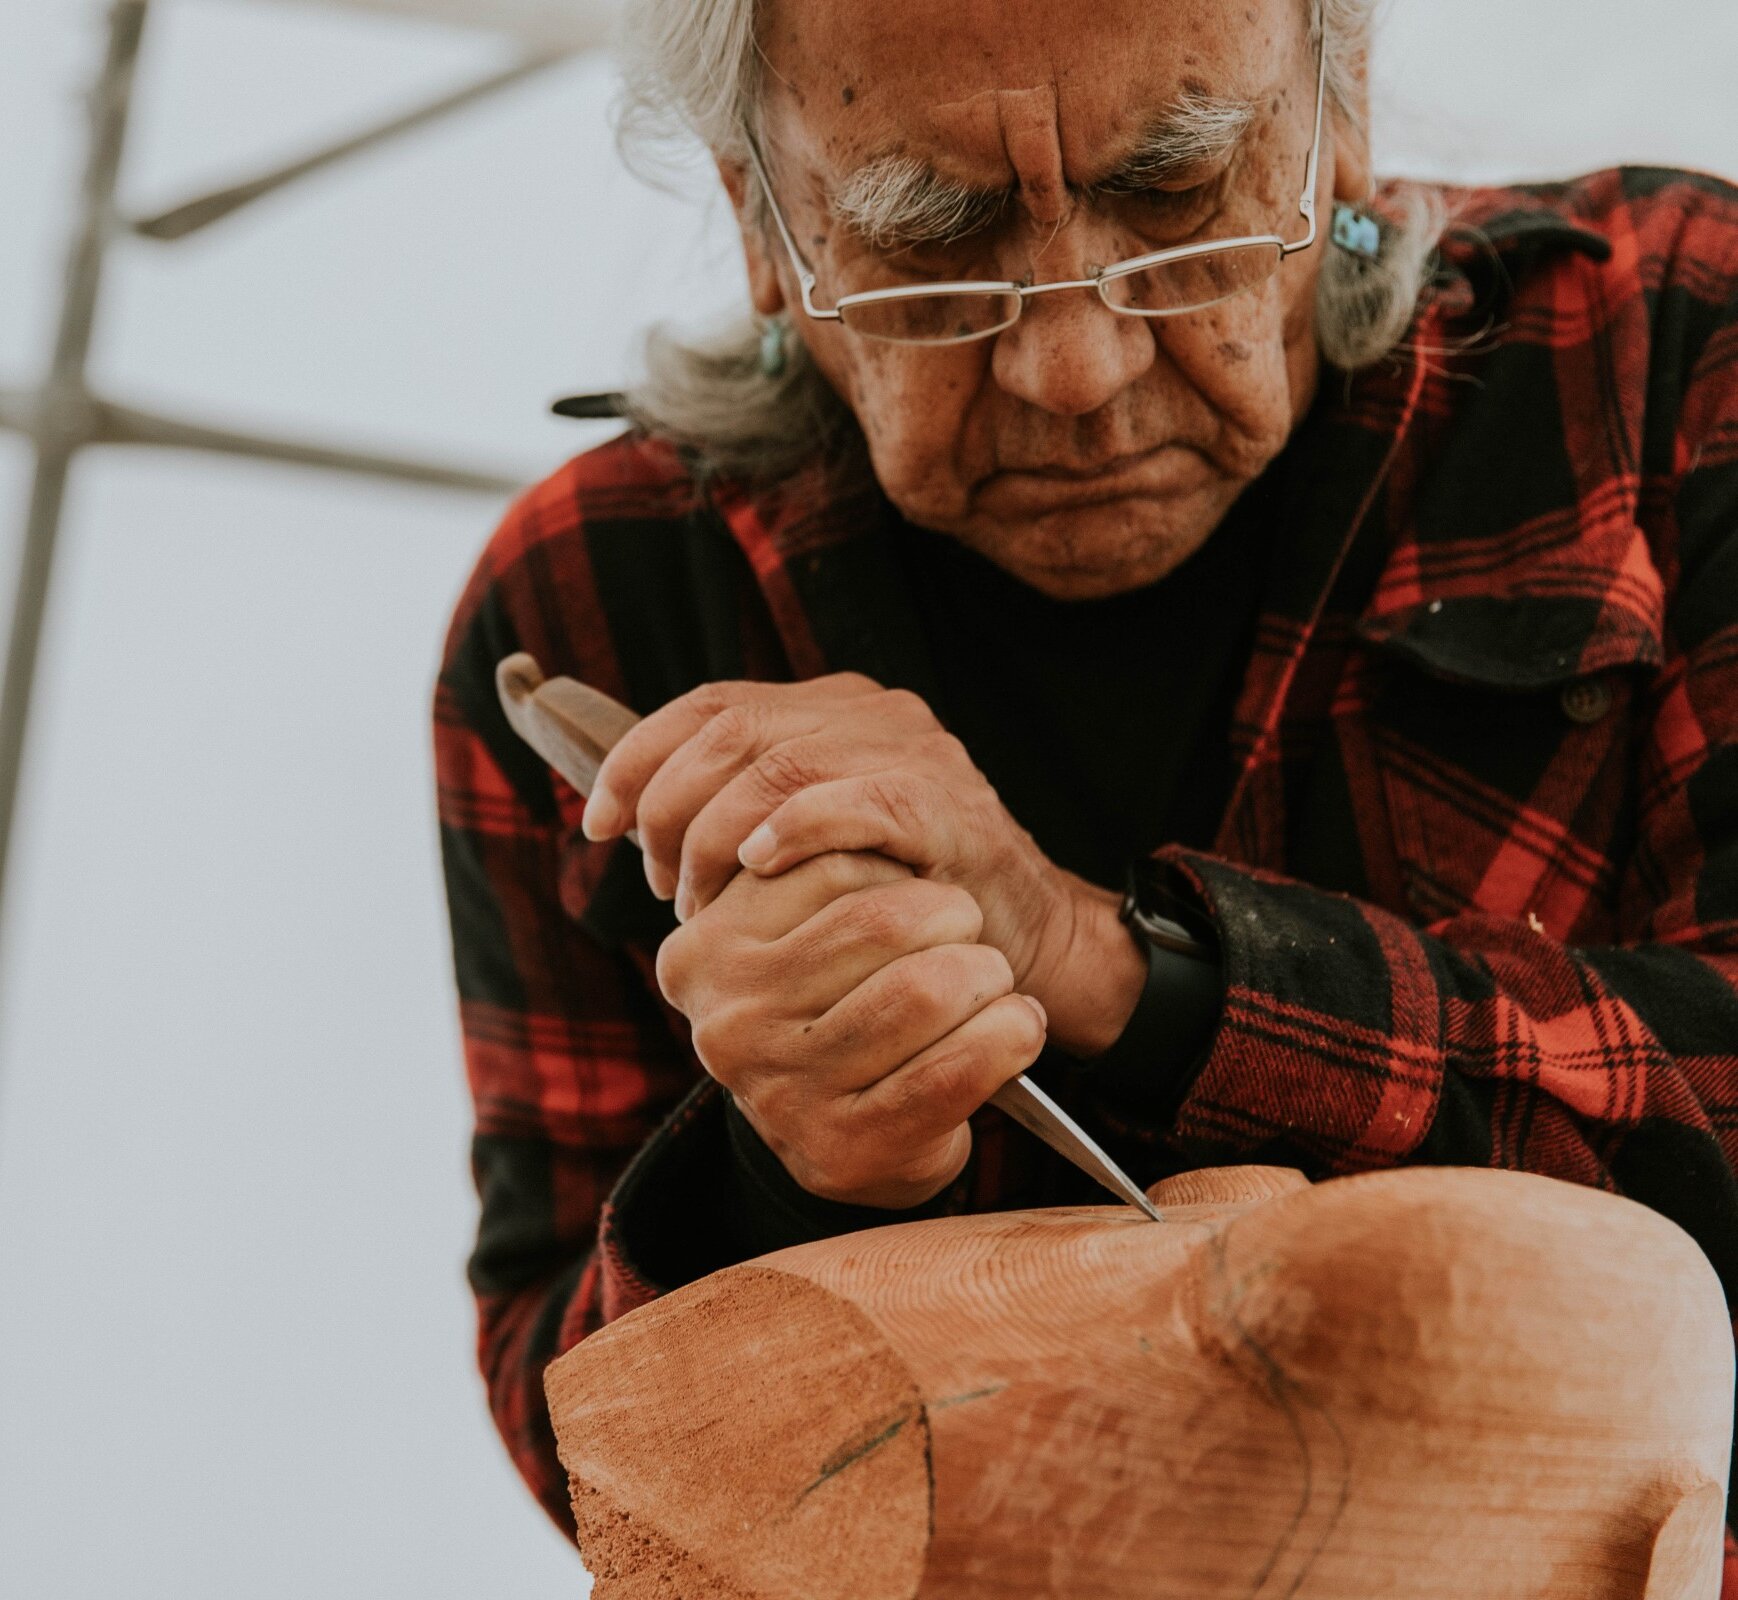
column 1149, row 905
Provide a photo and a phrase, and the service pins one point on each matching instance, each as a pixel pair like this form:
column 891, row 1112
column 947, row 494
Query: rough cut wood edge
column 1420, row 1385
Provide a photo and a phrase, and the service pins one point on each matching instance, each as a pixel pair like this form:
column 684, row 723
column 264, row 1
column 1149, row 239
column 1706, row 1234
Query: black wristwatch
column 1150, row 1067
column 1144, row 903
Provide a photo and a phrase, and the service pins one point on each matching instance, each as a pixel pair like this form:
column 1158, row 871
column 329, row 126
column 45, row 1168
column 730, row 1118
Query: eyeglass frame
column 1102, row 277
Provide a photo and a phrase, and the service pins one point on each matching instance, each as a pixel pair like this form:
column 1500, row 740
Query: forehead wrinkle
column 900, row 197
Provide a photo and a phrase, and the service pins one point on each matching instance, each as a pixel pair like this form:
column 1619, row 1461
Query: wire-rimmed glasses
column 1162, row 283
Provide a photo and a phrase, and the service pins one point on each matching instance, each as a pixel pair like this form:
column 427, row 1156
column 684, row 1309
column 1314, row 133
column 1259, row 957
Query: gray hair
column 693, row 72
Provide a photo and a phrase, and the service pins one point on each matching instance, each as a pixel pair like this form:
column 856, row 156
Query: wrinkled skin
column 1085, row 453
column 1167, row 421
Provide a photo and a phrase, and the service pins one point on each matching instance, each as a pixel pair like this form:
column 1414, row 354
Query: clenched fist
column 850, row 1009
column 766, row 775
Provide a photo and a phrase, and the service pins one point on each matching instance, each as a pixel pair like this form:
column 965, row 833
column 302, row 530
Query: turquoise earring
column 772, row 347
column 1357, row 232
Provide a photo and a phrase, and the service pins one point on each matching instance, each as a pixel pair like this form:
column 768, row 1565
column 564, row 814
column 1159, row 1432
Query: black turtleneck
column 1104, row 725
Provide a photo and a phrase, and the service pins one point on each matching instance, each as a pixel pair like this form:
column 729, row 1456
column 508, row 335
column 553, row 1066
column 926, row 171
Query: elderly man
column 1118, row 503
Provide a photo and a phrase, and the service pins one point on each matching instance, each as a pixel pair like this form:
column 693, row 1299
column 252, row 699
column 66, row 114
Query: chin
column 1094, row 551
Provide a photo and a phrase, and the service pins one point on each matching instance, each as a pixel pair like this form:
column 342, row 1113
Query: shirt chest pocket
column 1502, row 734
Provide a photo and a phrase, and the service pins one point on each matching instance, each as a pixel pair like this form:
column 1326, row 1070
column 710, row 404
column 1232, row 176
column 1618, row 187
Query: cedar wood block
column 1429, row 1384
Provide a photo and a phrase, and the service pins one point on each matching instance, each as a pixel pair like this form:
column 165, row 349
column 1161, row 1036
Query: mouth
column 1162, row 472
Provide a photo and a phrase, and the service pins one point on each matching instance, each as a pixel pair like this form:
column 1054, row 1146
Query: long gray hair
column 692, row 72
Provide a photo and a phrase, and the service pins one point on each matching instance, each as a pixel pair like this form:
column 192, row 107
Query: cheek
column 918, row 410
column 1249, row 360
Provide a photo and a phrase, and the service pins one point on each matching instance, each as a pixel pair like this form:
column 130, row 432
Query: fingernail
column 684, row 903
column 598, row 819
column 758, row 848
column 1038, row 1006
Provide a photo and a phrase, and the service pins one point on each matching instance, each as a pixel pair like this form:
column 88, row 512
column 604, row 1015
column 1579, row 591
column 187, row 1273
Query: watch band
column 1149, row 1069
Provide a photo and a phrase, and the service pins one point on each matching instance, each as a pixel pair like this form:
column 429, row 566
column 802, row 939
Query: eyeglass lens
column 1167, row 289
column 931, row 318
column 1193, row 282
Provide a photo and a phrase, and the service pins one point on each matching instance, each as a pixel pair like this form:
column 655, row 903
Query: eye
column 1168, row 210
column 1178, row 200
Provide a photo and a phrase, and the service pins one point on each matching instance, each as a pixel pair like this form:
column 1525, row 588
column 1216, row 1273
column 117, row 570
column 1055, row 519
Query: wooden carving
column 1442, row 1383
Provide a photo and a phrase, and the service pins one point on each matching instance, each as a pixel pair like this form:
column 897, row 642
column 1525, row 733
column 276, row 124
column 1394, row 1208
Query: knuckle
column 950, row 1076
column 777, row 1115
column 896, row 794
column 730, row 727
column 671, row 967
column 907, row 1096
column 782, row 771
column 731, row 1039
column 996, row 969
column 916, row 992
column 943, row 747
column 709, row 699
column 877, row 920
column 714, row 1037
column 909, row 706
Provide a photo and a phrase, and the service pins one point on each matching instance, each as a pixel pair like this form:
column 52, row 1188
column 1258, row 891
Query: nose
column 1070, row 353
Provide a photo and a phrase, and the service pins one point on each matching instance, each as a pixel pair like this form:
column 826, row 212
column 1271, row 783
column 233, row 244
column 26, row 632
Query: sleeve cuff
column 770, row 1210
column 663, row 1225
column 705, row 1193
column 1329, row 1054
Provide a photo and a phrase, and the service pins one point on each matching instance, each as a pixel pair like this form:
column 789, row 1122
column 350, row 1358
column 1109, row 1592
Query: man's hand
column 839, row 763
column 835, row 763
column 849, row 1008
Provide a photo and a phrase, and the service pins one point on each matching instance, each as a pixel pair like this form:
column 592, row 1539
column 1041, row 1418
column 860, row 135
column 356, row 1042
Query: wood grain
column 1413, row 1385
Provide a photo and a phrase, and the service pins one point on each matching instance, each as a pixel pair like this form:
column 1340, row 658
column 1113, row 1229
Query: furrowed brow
column 897, row 200
column 1198, row 131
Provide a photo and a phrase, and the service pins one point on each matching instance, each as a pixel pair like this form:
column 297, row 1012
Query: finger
column 764, row 752
column 943, row 1085
column 763, row 910
column 698, row 810
column 903, row 1009
column 851, row 1170
column 723, row 951
column 852, row 938
column 649, row 743
column 901, row 814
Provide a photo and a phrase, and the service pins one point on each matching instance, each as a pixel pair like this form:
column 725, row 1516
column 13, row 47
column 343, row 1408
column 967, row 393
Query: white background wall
column 234, row 1337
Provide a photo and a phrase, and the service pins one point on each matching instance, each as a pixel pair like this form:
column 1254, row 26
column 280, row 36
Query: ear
column 1354, row 170
column 759, row 242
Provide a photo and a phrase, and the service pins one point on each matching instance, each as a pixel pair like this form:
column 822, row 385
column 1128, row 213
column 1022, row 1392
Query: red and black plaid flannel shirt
column 1476, row 887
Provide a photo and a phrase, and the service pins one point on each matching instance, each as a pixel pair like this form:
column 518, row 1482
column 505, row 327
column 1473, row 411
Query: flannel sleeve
column 571, row 1071
column 599, row 1149
column 1359, row 1040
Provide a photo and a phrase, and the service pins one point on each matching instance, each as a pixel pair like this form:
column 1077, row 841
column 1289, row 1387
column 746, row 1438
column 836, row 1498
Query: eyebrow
column 898, row 200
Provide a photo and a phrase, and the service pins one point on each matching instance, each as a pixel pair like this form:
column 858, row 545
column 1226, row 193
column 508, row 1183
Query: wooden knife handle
column 570, row 724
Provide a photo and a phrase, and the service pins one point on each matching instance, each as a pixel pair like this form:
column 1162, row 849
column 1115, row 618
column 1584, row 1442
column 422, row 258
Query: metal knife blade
column 573, row 727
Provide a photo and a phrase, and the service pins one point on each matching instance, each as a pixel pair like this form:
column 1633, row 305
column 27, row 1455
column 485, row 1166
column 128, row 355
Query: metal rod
column 117, row 424
column 99, row 421
column 203, row 210
column 62, row 416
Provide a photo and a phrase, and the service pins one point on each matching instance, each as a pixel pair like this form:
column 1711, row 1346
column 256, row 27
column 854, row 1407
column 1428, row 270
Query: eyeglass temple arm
column 1307, row 205
column 805, row 274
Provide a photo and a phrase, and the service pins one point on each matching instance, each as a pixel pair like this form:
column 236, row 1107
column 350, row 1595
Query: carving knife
column 573, row 727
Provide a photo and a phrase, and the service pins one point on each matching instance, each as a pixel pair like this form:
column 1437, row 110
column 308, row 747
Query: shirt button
column 1586, row 700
